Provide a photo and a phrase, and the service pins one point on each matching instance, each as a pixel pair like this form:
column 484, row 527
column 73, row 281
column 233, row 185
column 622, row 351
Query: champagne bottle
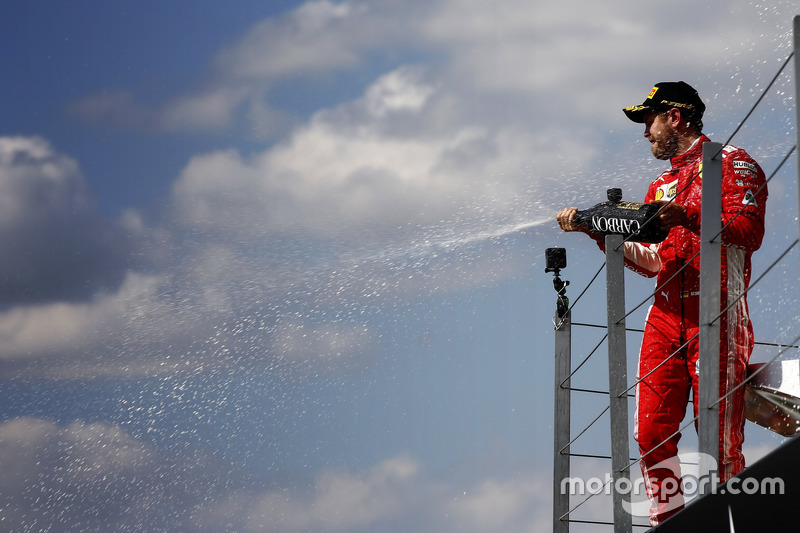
column 629, row 219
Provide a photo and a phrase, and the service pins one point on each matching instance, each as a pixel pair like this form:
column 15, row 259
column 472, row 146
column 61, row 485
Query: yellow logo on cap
column 652, row 93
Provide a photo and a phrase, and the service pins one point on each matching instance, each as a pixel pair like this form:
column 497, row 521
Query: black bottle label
column 630, row 219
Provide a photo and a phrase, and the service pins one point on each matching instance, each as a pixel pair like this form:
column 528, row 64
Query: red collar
column 694, row 153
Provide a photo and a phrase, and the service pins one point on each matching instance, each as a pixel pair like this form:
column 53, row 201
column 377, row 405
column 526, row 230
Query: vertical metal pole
column 797, row 98
column 618, row 380
column 561, row 471
column 710, row 293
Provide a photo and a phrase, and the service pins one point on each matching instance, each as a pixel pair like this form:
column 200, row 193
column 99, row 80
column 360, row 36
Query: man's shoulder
column 732, row 152
column 666, row 176
column 740, row 161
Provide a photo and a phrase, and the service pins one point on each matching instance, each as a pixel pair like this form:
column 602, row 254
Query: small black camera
column 555, row 259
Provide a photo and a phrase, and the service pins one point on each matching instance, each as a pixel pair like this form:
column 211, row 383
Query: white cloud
column 397, row 91
column 35, row 180
column 540, row 56
column 581, row 70
column 211, row 110
column 490, row 123
column 80, row 475
column 96, row 476
column 341, row 500
column 200, row 319
column 27, row 330
column 503, row 505
column 394, row 494
column 115, row 108
column 323, row 179
column 307, row 349
column 55, row 246
column 314, row 37
column 370, row 165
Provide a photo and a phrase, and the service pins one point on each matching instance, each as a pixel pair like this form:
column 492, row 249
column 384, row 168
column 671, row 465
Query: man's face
column 662, row 136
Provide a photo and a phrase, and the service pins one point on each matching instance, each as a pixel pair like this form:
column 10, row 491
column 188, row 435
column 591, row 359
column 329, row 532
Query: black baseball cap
column 666, row 95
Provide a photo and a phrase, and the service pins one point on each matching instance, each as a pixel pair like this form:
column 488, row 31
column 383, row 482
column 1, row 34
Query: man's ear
column 674, row 115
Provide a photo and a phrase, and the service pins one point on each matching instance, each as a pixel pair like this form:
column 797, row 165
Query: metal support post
column 710, row 294
column 618, row 381
column 797, row 99
column 561, row 422
column 556, row 259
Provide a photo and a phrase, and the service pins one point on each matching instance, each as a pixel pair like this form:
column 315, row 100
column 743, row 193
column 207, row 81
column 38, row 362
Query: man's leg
column 735, row 349
column 661, row 400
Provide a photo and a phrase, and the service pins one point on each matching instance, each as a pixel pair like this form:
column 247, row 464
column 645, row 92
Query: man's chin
column 660, row 153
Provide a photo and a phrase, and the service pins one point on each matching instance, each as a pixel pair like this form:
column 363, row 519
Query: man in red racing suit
column 672, row 116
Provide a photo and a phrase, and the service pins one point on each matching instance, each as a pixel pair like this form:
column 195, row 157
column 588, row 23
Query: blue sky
column 279, row 266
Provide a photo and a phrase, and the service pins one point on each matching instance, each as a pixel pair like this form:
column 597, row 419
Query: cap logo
column 652, row 93
column 677, row 104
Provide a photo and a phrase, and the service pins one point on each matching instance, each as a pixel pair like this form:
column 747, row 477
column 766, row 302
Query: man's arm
column 640, row 258
column 744, row 200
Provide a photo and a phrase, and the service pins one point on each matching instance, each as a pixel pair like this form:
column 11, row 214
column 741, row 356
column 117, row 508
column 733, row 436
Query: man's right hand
column 564, row 219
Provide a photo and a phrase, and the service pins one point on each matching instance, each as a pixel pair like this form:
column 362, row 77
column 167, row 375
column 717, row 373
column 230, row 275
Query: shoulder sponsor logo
column 744, row 165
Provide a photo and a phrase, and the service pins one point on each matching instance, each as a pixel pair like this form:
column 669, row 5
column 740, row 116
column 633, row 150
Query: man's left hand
column 671, row 214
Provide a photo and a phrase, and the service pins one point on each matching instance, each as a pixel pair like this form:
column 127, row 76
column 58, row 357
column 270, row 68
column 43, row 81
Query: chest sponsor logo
column 667, row 191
